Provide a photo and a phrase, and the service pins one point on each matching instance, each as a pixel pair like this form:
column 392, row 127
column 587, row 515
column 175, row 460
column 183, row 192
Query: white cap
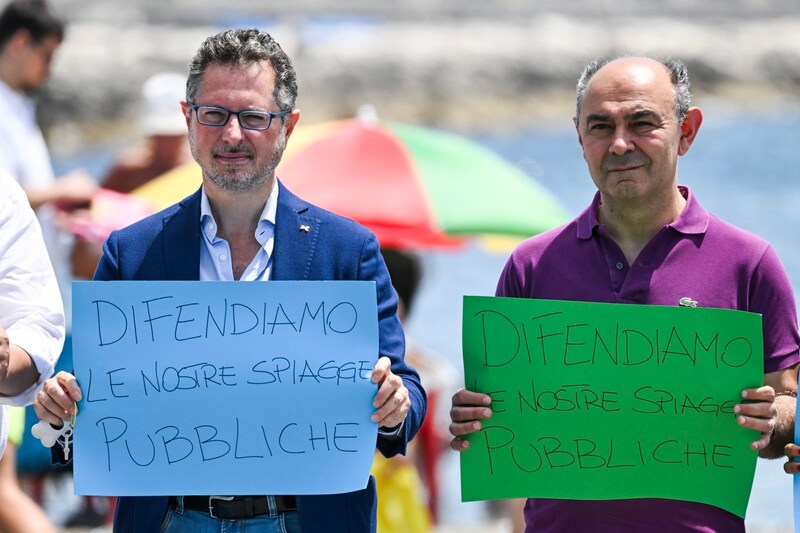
column 161, row 111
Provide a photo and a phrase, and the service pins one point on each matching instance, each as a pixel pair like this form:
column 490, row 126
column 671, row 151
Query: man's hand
column 792, row 452
column 467, row 410
column 54, row 404
column 74, row 189
column 391, row 401
column 760, row 415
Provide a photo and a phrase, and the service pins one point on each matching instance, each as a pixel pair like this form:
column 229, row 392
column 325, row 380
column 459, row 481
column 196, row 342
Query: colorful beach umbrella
column 413, row 186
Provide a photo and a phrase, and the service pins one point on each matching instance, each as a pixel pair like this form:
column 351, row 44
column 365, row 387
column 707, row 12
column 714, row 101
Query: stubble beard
column 238, row 180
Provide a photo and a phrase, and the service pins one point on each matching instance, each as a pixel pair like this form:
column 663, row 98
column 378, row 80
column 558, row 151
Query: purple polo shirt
column 697, row 256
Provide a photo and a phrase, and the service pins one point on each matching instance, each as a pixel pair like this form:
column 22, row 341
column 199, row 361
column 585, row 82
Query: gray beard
column 236, row 181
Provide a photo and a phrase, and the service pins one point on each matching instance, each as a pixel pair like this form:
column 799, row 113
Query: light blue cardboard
column 224, row 387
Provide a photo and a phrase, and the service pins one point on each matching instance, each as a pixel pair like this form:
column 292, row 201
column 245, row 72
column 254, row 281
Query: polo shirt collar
column 692, row 220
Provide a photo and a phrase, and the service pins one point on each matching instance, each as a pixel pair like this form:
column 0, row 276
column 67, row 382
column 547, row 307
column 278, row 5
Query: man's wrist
column 391, row 432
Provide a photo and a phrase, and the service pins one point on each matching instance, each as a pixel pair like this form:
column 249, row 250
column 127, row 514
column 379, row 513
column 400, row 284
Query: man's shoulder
column 736, row 238
column 564, row 236
column 153, row 225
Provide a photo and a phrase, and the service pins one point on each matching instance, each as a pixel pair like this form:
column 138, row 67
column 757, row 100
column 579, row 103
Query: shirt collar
column 208, row 225
column 692, row 220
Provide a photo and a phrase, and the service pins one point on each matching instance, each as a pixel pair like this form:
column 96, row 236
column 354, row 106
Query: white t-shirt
column 23, row 152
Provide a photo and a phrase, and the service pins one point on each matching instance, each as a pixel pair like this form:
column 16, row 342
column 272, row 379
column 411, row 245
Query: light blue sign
column 224, row 387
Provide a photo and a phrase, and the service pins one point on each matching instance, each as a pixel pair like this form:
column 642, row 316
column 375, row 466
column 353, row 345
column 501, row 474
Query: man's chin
column 236, row 182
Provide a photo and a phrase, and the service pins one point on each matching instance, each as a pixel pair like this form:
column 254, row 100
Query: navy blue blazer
column 166, row 246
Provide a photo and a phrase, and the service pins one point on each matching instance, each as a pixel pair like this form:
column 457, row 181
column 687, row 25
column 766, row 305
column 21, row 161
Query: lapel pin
column 687, row 302
column 305, row 228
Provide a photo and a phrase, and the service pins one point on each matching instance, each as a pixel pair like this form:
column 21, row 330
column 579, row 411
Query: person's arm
column 71, row 190
column 32, row 312
column 400, row 400
column 771, row 408
column 17, row 368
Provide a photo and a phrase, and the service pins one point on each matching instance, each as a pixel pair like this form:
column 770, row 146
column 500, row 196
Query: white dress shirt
column 30, row 304
column 215, row 254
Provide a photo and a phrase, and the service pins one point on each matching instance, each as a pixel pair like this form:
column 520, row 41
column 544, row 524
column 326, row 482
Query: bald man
column 645, row 239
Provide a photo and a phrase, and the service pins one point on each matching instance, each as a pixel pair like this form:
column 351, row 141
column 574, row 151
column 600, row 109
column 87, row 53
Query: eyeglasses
column 249, row 120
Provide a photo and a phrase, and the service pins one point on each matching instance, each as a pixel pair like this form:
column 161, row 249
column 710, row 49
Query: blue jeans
column 180, row 520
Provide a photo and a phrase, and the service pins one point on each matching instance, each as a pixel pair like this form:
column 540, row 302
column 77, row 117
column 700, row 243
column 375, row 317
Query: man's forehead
column 254, row 76
column 629, row 86
column 252, row 69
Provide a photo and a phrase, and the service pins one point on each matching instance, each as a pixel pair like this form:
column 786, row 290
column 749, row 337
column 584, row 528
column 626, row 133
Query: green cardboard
column 610, row 401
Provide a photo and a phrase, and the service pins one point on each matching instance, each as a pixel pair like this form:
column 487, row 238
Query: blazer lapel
column 182, row 240
column 296, row 235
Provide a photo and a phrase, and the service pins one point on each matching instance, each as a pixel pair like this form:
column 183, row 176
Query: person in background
column 244, row 225
column 19, row 513
column 30, row 34
column 31, row 338
column 404, row 506
column 645, row 239
column 165, row 147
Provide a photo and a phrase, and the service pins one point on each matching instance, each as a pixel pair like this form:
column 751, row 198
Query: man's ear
column 689, row 129
column 578, row 131
column 291, row 121
column 187, row 112
column 20, row 39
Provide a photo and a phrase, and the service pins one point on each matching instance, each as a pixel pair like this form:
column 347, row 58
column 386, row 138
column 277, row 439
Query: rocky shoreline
column 465, row 72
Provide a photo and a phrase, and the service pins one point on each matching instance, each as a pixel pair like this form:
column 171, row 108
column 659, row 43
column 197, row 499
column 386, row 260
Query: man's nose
column 232, row 131
column 621, row 141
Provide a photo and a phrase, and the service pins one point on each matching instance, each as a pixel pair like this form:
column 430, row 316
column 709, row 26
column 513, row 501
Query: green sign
column 610, row 401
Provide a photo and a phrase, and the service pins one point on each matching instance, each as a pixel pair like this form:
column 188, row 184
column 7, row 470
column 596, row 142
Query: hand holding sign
column 760, row 415
column 55, row 403
column 792, row 452
column 391, row 401
column 468, row 409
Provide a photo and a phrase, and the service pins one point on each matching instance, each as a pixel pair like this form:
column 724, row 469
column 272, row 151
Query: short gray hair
column 679, row 76
column 240, row 47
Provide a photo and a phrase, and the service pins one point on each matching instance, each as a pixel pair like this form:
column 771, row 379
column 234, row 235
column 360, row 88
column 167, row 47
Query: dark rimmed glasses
column 249, row 120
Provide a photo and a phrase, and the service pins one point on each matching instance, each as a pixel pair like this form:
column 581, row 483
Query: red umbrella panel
column 414, row 187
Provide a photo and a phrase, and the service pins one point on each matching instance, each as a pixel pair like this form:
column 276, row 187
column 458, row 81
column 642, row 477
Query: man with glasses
column 243, row 224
